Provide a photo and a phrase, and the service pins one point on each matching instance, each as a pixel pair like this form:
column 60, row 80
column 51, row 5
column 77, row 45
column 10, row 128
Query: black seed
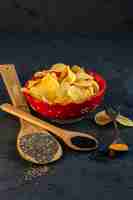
column 83, row 142
column 39, row 146
column 35, row 171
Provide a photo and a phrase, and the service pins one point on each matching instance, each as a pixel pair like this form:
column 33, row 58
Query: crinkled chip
column 62, row 84
column 70, row 77
column 91, row 90
column 59, row 67
column 77, row 68
column 62, row 68
column 83, row 76
column 62, row 100
column 53, row 74
column 83, row 83
column 95, row 86
column 48, row 87
column 88, row 93
column 62, row 96
column 40, row 74
column 62, row 75
column 36, row 92
column 64, row 87
column 32, row 83
column 76, row 94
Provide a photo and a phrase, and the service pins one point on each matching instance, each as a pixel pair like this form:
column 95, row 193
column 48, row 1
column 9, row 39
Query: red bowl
column 71, row 110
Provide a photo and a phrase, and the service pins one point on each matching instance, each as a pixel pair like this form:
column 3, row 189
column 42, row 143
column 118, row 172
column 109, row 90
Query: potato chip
column 91, row 90
column 76, row 94
column 53, row 74
column 77, row 68
column 87, row 93
column 83, row 83
column 63, row 74
column 62, row 100
column 32, row 83
column 36, row 92
column 62, row 68
column 95, row 86
column 62, row 84
column 71, row 77
column 49, row 87
column 59, row 67
column 83, row 76
column 61, row 95
column 40, row 74
column 45, row 100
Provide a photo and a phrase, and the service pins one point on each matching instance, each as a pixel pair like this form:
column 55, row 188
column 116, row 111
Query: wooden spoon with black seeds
column 75, row 140
column 33, row 143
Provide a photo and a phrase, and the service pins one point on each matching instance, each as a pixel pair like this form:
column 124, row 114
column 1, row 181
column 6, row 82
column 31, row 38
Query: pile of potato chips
column 63, row 84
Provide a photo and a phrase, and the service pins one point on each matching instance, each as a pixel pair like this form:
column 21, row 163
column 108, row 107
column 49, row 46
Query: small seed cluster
column 39, row 146
column 35, row 171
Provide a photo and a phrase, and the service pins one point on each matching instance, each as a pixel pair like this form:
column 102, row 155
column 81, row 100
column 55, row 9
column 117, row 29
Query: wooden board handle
column 13, row 86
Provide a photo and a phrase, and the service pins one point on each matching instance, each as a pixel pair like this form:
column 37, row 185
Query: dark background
column 58, row 15
column 76, row 176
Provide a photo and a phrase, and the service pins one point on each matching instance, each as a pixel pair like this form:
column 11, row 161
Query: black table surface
column 75, row 176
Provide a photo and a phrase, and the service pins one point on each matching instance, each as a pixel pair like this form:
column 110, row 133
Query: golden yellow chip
column 32, row 83
column 83, row 83
column 77, row 68
column 95, row 86
column 64, row 86
column 59, row 67
column 76, row 94
column 87, row 93
column 71, row 77
column 71, row 85
column 49, row 87
column 62, row 68
column 36, row 92
column 40, row 74
column 91, row 90
column 53, row 74
column 83, row 76
column 63, row 100
column 62, row 75
column 61, row 96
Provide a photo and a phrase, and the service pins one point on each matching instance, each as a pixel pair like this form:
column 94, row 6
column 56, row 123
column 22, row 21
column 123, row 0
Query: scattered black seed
column 35, row 171
column 40, row 147
column 83, row 142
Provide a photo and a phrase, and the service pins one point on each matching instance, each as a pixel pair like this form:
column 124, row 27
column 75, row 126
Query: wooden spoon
column 13, row 86
column 75, row 140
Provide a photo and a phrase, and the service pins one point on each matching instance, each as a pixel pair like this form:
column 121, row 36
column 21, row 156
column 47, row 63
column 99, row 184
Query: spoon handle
column 62, row 133
column 65, row 135
column 34, row 120
column 13, row 86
